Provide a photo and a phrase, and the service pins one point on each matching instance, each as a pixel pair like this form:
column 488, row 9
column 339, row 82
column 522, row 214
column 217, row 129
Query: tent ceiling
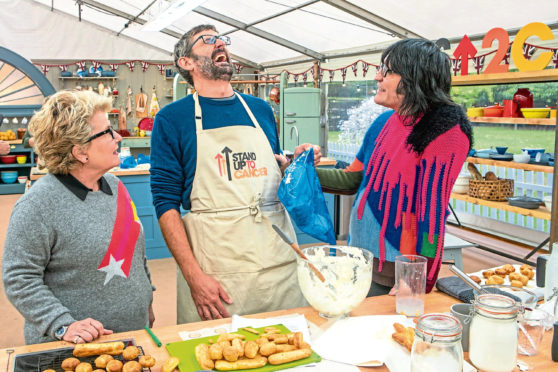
column 267, row 33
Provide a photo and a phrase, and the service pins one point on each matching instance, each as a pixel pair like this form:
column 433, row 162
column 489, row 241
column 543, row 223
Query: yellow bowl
column 475, row 112
column 21, row 159
column 534, row 113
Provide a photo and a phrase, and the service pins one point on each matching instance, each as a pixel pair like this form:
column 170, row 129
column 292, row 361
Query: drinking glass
column 410, row 283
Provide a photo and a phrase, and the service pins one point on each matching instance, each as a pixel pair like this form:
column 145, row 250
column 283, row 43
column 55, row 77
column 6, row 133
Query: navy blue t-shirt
column 174, row 143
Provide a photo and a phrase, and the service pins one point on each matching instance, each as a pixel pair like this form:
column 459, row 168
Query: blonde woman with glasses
column 74, row 260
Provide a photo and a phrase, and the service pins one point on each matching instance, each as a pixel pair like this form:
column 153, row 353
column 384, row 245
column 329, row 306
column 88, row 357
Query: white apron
column 234, row 203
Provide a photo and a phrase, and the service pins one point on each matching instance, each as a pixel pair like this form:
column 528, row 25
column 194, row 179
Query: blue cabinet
column 22, row 169
column 140, row 192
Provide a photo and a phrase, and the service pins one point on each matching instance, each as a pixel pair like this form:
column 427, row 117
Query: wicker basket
column 499, row 190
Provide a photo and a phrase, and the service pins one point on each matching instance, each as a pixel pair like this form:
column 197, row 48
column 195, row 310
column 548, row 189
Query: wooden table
column 382, row 305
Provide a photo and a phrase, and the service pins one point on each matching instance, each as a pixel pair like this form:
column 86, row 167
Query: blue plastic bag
column 143, row 159
column 301, row 194
column 128, row 162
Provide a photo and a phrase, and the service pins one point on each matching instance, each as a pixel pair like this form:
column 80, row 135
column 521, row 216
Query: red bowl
column 8, row 159
column 494, row 111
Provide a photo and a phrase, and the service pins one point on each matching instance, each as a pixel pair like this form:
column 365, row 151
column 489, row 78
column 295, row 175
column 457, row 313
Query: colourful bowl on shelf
column 21, row 159
column 533, row 152
column 535, row 113
column 8, row 159
column 521, row 158
column 475, row 112
column 494, row 111
column 8, row 176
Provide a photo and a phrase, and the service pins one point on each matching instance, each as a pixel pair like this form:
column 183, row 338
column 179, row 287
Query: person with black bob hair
column 408, row 162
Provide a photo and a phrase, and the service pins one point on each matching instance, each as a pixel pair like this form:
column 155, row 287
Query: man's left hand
column 305, row 146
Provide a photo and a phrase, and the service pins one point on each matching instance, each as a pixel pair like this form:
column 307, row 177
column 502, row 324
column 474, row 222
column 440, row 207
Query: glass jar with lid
column 437, row 345
column 493, row 333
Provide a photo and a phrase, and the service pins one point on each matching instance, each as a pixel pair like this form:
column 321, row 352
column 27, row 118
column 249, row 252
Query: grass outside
column 515, row 139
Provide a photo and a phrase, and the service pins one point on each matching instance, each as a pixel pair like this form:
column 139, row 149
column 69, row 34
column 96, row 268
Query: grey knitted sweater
column 54, row 245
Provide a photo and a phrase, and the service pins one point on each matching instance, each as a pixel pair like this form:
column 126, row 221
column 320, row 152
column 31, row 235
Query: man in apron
column 213, row 152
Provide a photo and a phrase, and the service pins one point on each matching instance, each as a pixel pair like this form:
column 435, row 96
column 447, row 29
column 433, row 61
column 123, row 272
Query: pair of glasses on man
column 384, row 70
column 210, row 39
column 109, row 130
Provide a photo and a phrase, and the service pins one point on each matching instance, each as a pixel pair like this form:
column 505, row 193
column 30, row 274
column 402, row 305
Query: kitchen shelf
column 88, row 78
column 16, row 165
column 516, row 77
column 512, row 164
column 541, row 212
column 506, row 120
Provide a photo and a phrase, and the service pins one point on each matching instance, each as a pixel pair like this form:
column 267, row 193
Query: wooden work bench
column 382, row 305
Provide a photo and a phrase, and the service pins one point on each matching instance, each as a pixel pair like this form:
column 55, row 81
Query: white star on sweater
column 112, row 269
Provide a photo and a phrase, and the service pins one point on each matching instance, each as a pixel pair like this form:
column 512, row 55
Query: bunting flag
column 237, row 67
column 478, row 63
column 144, row 65
column 528, row 51
column 354, row 67
column 161, row 68
column 321, row 74
column 305, row 77
column 507, row 56
column 130, row 65
column 331, row 75
column 295, row 78
column 81, row 65
column 96, row 65
column 288, row 75
column 63, row 67
column 344, row 74
column 365, row 67
column 555, row 58
column 456, row 66
column 45, row 69
column 113, row 66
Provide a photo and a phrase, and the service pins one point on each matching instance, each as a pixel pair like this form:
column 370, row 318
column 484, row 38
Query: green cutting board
column 184, row 350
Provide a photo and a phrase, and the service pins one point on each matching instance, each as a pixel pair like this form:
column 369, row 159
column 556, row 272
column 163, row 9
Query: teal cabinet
column 300, row 117
column 302, row 102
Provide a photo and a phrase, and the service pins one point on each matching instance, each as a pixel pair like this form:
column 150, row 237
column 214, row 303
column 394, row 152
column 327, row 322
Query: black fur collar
column 435, row 123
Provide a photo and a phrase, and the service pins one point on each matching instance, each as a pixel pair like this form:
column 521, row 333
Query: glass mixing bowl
column 348, row 275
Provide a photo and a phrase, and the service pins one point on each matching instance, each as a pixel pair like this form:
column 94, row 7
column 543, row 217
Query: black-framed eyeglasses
column 109, row 130
column 384, row 70
column 210, row 39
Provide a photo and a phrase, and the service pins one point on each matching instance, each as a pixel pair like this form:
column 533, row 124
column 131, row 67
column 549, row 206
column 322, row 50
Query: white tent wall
column 38, row 34
column 261, row 30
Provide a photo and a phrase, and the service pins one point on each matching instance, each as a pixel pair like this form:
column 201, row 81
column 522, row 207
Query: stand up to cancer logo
column 238, row 165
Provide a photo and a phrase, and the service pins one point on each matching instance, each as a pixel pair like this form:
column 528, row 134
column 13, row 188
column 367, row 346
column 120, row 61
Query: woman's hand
column 305, row 146
column 85, row 330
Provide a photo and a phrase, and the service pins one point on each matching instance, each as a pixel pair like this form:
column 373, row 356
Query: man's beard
column 211, row 71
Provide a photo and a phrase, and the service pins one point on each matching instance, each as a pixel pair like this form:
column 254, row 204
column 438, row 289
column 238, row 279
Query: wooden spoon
column 296, row 248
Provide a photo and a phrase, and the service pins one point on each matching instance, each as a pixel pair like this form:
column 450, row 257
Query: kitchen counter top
column 382, row 305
